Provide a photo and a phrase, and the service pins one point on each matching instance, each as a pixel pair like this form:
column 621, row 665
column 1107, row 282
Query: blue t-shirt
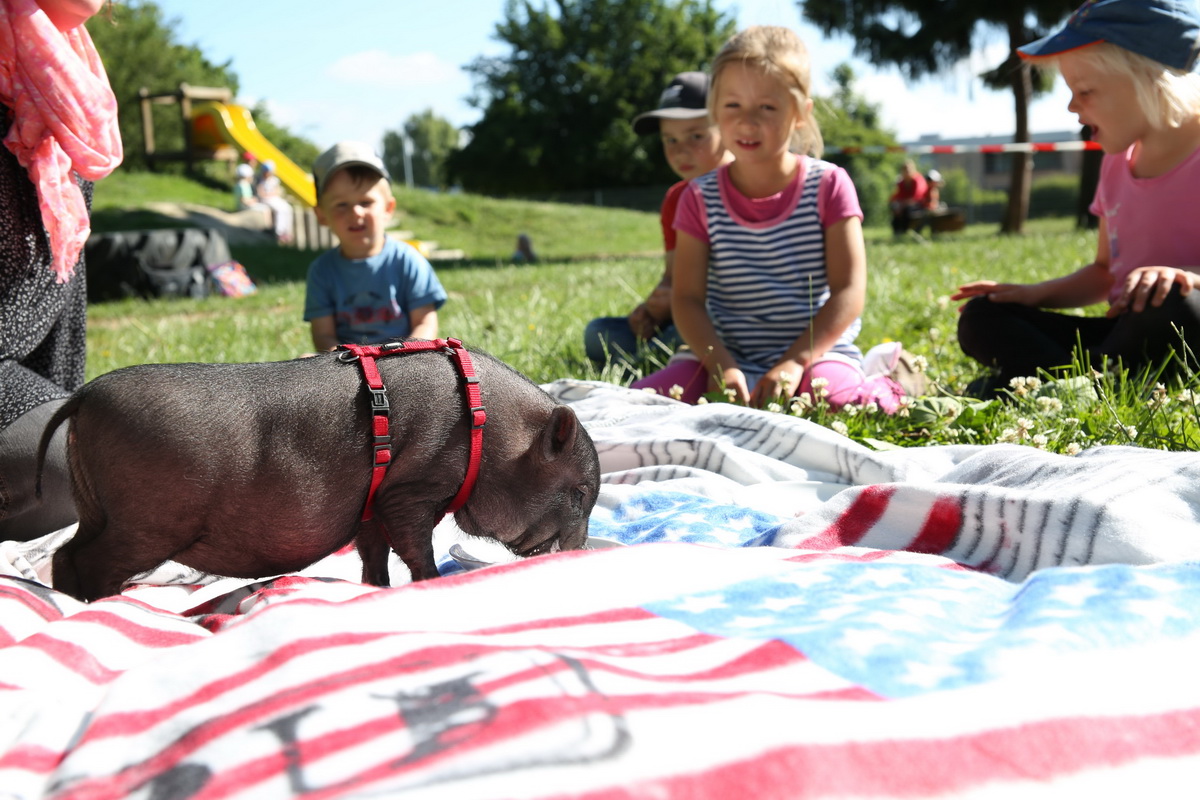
column 370, row 299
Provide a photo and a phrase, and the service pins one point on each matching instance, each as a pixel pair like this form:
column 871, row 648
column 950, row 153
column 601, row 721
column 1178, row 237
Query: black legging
column 1019, row 340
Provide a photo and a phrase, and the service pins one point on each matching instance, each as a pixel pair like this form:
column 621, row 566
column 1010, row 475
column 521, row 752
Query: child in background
column 770, row 266
column 370, row 288
column 269, row 191
column 692, row 147
column 1131, row 66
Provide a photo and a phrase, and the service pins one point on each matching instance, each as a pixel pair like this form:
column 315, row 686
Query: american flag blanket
column 794, row 616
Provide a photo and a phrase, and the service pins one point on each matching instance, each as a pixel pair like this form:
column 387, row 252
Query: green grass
column 532, row 316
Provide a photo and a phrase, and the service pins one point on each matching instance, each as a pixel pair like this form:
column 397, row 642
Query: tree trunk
column 1022, row 163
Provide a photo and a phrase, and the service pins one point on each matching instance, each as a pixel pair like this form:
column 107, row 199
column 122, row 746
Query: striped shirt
column 767, row 281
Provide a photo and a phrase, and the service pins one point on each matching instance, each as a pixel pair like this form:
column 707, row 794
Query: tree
column 849, row 122
column 432, row 139
column 922, row 37
column 138, row 49
column 558, row 109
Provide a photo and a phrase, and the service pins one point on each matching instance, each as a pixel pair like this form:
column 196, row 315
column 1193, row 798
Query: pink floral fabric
column 64, row 119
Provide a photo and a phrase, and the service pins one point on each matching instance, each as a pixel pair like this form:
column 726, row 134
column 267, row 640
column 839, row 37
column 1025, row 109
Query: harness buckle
column 392, row 346
column 478, row 417
column 347, row 356
column 379, row 401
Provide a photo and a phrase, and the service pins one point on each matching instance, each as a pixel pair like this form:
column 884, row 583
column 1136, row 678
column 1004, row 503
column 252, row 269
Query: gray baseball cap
column 346, row 154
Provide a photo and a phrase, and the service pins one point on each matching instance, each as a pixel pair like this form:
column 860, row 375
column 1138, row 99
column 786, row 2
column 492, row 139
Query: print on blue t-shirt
column 371, row 299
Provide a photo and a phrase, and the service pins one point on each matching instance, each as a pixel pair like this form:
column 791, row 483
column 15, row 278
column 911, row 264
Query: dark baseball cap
column 684, row 98
column 1167, row 31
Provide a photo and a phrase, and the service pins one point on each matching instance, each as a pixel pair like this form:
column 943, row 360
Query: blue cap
column 1167, row 31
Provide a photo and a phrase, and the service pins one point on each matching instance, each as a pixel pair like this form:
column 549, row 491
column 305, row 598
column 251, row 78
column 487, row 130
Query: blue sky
column 334, row 71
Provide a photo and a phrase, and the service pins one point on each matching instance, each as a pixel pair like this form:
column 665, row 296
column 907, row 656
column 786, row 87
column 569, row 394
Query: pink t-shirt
column 836, row 200
column 1150, row 221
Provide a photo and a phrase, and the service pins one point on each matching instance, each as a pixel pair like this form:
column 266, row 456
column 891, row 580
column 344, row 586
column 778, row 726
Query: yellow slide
column 215, row 124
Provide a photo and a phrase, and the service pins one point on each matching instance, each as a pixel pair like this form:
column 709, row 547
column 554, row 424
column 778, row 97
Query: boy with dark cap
column 692, row 147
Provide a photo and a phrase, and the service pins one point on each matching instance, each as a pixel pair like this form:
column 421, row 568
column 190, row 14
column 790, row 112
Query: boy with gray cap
column 370, row 288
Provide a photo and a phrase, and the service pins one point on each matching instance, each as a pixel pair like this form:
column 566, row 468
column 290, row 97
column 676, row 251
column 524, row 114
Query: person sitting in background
column 693, row 147
column 932, row 201
column 524, row 253
column 269, row 191
column 908, row 197
column 371, row 288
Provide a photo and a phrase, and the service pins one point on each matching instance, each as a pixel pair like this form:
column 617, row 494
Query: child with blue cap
column 1131, row 66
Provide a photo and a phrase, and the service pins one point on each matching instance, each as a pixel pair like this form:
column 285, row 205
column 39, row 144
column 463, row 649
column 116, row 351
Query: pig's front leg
column 405, row 528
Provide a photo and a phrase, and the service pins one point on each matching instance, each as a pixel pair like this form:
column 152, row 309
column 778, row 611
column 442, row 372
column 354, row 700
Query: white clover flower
column 774, row 408
column 935, row 334
column 1071, row 421
column 839, row 427
column 1040, row 441
column 800, row 404
column 1158, row 397
column 703, row 401
column 648, row 390
column 820, row 383
column 1008, row 435
column 676, row 392
column 920, row 363
column 851, row 410
column 943, row 302
column 785, row 384
column 1188, row 397
column 1131, row 431
column 1024, row 426
column 731, row 395
column 871, row 407
column 1073, row 449
column 1049, row 405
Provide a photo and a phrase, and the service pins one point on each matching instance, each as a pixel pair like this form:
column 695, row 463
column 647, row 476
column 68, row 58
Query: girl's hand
column 642, row 322
column 781, row 379
column 734, row 379
column 1151, row 284
column 996, row 292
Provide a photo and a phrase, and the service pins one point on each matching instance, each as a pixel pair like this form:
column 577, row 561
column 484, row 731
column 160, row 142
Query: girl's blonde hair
column 779, row 53
column 1167, row 96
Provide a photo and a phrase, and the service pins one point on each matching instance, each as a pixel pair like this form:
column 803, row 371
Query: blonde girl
column 1131, row 66
column 770, row 265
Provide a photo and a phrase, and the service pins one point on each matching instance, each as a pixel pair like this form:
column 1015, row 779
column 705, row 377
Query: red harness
column 366, row 355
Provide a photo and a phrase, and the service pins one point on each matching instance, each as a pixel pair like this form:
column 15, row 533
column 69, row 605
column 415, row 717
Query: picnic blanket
column 794, row 616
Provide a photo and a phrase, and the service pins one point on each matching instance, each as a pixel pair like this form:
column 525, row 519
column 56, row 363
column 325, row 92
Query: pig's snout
column 534, row 543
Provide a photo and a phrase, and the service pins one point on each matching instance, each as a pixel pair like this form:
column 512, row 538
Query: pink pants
column 845, row 383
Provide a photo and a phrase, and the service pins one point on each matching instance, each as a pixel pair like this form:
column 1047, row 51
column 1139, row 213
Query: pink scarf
column 64, row 119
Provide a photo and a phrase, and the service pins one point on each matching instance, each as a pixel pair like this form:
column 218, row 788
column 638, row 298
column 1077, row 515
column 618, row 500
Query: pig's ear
column 560, row 432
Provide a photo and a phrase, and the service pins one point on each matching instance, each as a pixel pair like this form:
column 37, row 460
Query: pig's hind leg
column 99, row 559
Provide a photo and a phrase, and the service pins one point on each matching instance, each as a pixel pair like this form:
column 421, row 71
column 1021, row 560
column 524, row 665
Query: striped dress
column 766, row 283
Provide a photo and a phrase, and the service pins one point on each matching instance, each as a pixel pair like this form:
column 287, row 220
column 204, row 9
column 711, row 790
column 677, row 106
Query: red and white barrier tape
column 1007, row 147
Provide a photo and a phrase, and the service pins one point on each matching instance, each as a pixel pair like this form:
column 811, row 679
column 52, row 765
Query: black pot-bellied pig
column 251, row 470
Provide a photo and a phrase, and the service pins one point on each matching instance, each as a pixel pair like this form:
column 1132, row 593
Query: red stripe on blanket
column 854, row 523
column 107, row 616
column 1033, row 752
column 31, row 758
column 72, row 657
column 941, row 526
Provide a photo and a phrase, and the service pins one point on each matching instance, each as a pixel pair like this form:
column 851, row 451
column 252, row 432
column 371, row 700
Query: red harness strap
column 365, row 355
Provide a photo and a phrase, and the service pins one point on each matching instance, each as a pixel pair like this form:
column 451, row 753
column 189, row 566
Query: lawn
column 532, row 316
